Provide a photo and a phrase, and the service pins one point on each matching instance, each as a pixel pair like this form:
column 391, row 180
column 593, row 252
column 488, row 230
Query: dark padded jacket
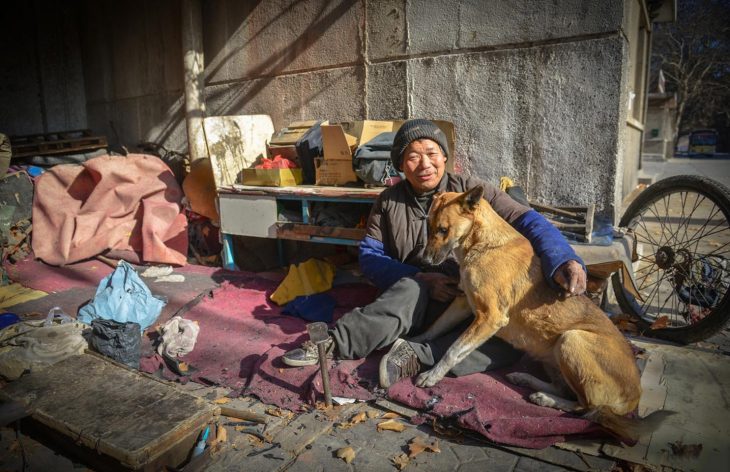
column 397, row 232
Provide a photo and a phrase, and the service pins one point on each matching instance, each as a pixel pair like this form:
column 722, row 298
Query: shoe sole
column 296, row 363
column 383, row 370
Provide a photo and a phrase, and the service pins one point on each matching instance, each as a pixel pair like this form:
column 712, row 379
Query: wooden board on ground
column 120, row 413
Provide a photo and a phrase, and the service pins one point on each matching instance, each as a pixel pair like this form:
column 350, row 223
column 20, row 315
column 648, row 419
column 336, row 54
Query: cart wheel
column 682, row 229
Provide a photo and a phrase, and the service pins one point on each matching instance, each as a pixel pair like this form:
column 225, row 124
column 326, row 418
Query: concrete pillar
column 193, row 68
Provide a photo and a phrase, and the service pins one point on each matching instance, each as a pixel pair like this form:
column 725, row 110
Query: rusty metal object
column 319, row 336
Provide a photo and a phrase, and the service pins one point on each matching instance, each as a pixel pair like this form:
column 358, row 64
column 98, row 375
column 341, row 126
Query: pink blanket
column 127, row 205
column 242, row 336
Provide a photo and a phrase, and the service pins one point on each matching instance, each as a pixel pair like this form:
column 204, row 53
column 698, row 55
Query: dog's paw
column 519, row 378
column 542, row 399
column 428, row 379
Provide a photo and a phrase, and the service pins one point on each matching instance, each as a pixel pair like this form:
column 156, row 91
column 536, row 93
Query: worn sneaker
column 400, row 362
column 308, row 354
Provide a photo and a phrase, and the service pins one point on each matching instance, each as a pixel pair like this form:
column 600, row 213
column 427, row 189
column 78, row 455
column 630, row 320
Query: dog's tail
column 625, row 427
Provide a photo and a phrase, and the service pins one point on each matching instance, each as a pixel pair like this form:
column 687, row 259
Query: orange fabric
column 128, row 205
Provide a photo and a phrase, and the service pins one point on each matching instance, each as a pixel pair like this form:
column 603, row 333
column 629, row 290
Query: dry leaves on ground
column 286, row 414
column 358, row 418
column 221, row 400
column 390, row 416
column 347, row 454
column 373, row 414
column 625, row 324
column 420, row 444
column 391, row 425
column 660, row 323
column 401, row 461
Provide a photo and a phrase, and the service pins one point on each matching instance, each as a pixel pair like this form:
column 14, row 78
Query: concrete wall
column 133, row 69
column 41, row 79
column 537, row 90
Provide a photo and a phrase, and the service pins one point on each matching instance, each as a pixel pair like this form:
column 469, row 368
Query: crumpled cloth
column 122, row 296
column 307, row 278
column 178, row 337
column 128, row 205
column 30, row 345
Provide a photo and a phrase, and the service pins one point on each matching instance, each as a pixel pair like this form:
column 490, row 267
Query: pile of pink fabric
column 125, row 207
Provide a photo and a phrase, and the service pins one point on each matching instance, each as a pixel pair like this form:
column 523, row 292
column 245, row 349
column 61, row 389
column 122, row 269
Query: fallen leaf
column 660, row 323
column 279, row 413
column 347, row 454
column 391, row 425
column 183, row 366
column 419, row 444
column 390, row 415
column 373, row 414
column 358, row 418
column 281, row 370
column 221, row 400
column 401, row 461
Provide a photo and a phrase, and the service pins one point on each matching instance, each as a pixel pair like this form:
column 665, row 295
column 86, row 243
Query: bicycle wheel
column 682, row 230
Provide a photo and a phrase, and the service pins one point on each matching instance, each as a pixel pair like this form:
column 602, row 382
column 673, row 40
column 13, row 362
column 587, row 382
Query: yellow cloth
column 307, row 278
column 14, row 294
column 505, row 183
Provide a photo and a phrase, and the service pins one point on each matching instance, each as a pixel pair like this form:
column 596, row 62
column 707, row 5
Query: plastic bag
column 119, row 341
column 122, row 296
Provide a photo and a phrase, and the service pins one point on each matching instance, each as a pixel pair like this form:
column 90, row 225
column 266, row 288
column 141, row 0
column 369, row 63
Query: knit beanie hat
column 412, row 130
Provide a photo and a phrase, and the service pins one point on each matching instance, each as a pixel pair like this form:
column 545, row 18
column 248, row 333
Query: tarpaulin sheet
column 129, row 206
column 243, row 334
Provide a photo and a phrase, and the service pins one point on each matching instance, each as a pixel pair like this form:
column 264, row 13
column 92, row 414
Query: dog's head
column 450, row 219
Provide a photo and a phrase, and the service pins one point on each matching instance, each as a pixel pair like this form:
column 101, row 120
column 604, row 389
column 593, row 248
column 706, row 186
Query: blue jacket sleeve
column 550, row 246
column 380, row 269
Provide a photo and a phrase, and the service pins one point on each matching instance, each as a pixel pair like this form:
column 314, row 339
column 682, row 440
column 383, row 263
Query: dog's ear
column 471, row 198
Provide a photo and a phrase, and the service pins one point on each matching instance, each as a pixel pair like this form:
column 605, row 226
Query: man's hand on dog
column 441, row 287
column 572, row 278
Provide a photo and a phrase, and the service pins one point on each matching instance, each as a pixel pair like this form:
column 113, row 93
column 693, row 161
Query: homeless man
column 414, row 294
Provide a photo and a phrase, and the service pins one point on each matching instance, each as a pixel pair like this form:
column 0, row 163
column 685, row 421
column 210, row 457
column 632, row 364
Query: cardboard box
column 334, row 171
column 272, row 177
column 289, row 152
column 339, row 142
column 291, row 134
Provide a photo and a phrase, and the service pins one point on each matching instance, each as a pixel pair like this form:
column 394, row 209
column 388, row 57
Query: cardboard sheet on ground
column 694, row 384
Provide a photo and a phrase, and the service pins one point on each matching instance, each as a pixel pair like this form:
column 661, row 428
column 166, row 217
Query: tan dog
column 506, row 291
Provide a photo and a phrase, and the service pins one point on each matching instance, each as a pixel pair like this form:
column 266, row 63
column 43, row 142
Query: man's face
column 423, row 164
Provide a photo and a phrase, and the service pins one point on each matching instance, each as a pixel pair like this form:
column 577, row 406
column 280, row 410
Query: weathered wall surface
column 133, row 69
column 535, row 89
column 41, row 80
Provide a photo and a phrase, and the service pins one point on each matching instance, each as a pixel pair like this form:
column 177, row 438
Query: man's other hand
column 572, row 278
column 441, row 287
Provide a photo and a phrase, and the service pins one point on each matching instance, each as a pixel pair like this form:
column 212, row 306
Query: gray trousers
column 405, row 309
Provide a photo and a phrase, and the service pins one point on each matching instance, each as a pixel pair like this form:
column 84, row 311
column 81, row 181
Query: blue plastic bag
column 122, row 296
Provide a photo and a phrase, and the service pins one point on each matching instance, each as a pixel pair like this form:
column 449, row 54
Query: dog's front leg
column 475, row 335
column 458, row 311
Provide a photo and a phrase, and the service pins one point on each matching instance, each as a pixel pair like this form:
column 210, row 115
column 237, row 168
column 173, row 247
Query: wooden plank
column 301, row 231
column 59, row 146
column 113, row 410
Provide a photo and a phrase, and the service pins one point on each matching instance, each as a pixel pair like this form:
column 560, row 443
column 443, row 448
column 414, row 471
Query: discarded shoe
column 400, row 362
column 308, row 354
